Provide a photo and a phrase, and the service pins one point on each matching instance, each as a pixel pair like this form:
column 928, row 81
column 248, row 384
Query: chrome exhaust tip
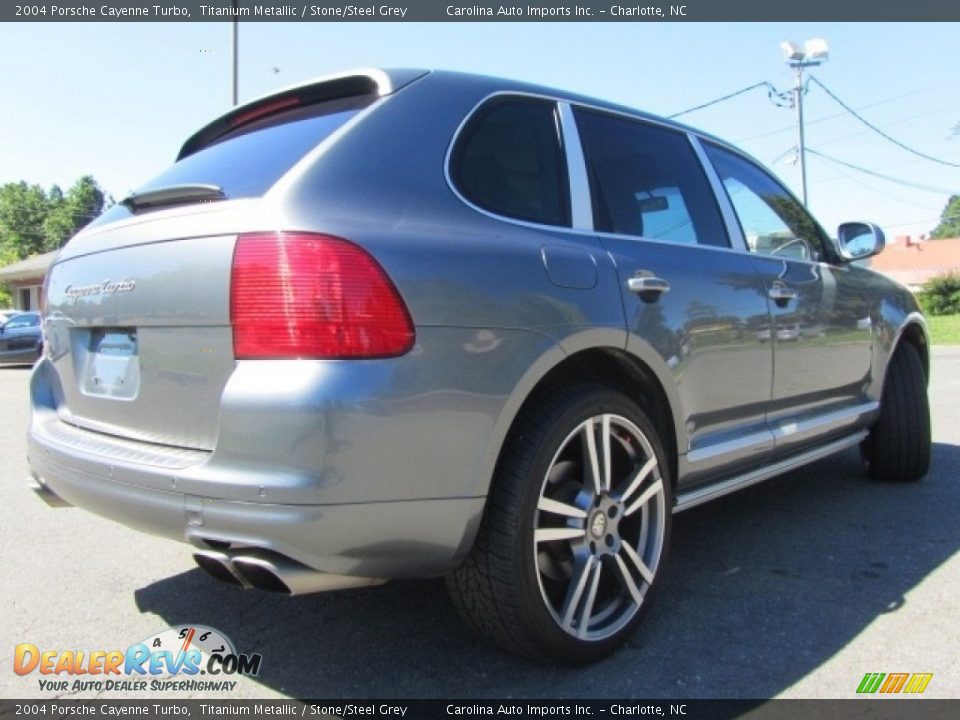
column 273, row 572
column 218, row 566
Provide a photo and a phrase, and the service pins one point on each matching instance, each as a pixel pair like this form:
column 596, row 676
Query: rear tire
column 575, row 533
column 898, row 448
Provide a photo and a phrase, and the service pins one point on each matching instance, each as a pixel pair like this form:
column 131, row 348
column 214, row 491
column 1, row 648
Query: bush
column 941, row 295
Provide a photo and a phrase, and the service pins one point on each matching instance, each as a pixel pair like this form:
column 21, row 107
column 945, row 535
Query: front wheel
column 575, row 533
column 898, row 448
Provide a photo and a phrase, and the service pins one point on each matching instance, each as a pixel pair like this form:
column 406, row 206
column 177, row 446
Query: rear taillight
column 301, row 295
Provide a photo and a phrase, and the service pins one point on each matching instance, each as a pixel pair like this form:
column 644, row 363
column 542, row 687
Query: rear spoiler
column 356, row 83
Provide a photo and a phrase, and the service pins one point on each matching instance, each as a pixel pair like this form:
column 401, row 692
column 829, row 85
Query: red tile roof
column 913, row 262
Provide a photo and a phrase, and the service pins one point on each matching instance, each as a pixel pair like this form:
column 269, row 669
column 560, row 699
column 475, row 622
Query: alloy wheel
column 599, row 527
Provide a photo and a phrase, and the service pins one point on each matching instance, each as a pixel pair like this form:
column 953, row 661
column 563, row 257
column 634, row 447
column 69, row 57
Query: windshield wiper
column 173, row 195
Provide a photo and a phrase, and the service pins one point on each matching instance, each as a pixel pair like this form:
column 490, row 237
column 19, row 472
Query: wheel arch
column 619, row 370
column 913, row 332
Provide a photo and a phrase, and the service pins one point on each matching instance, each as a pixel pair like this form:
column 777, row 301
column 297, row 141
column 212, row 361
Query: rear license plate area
column 113, row 364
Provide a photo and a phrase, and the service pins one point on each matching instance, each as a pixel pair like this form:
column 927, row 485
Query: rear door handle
column 648, row 287
column 780, row 293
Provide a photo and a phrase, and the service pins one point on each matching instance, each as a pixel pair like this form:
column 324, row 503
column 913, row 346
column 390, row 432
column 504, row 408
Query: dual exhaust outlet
column 249, row 567
column 273, row 572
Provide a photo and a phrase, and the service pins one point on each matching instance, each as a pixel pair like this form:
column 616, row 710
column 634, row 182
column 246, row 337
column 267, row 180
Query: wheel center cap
column 599, row 525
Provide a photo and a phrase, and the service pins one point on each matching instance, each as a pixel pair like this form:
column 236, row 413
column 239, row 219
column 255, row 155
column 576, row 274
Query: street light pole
column 234, row 53
column 801, row 145
column 811, row 54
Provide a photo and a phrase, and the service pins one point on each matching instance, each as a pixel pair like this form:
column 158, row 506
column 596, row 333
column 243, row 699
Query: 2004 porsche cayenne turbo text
column 397, row 324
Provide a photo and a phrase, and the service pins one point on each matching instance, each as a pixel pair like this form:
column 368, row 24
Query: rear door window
column 509, row 161
column 646, row 181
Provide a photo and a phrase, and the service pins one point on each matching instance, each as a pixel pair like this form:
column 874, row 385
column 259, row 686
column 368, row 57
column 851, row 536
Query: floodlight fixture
column 791, row 51
column 816, row 49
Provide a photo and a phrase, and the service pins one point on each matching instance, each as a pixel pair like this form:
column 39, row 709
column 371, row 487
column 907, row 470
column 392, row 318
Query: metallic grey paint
column 379, row 468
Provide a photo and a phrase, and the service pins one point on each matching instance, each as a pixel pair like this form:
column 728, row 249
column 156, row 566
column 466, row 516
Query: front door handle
column 649, row 288
column 780, row 293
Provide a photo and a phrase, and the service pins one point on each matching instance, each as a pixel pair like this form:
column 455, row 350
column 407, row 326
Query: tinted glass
column 773, row 222
column 509, row 161
column 647, row 181
column 248, row 163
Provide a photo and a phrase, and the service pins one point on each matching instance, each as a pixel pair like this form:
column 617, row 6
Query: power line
column 789, row 128
column 873, row 173
column 841, row 175
column 897, row 122
column 876, row 129
column 771, row 93
column 908, row 163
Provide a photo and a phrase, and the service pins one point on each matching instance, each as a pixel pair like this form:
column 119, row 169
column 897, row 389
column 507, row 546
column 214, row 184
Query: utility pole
column 813, row 53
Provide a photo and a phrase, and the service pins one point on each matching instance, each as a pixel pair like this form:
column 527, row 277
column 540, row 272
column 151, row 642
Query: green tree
column 68, row 213
column 23, row 210
column 949, row 226
column 33, row 221
column 7, row 257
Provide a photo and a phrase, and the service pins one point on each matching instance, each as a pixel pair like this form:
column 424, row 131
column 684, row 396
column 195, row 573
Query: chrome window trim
column 581, row 202
column 730, row 219
column 643, row 238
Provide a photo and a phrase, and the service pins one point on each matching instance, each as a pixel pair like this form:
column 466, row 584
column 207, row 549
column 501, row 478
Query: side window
column 509, row 161
column 647, row 181
column 773, row 222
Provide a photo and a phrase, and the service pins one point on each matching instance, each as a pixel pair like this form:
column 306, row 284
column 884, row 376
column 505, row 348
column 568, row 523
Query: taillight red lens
column 301, row 295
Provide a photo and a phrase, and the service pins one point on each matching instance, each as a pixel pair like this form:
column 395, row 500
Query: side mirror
column 859, row 240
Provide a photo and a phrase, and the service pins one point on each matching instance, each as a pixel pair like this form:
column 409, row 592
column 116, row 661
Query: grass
column 944, row 329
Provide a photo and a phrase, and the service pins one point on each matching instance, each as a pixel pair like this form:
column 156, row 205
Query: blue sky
column 116, row 100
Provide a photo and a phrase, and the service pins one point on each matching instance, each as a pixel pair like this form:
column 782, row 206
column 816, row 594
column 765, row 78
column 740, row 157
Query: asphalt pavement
column 793, row 588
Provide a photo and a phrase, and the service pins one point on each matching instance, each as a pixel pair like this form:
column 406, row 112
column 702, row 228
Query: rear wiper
column 173, row 195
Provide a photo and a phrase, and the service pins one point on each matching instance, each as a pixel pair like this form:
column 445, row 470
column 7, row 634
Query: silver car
column 398, row 324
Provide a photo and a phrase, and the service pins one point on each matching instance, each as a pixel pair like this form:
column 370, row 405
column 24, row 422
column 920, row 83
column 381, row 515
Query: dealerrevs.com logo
column 188, row 659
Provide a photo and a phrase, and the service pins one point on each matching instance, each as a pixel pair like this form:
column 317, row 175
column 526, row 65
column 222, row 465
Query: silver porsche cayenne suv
column 398, row 324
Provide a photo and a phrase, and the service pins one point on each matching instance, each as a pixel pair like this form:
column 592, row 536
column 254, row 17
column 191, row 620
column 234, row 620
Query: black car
column 21, row 340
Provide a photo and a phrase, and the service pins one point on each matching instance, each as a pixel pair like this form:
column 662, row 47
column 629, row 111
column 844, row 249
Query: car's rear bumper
column 374, row 468
column 414, row 538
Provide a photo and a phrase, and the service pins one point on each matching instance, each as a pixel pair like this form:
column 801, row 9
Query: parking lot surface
column 794, row 588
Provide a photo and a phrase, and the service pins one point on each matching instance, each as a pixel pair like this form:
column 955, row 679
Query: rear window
column 509, row 161
column 247, row 161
